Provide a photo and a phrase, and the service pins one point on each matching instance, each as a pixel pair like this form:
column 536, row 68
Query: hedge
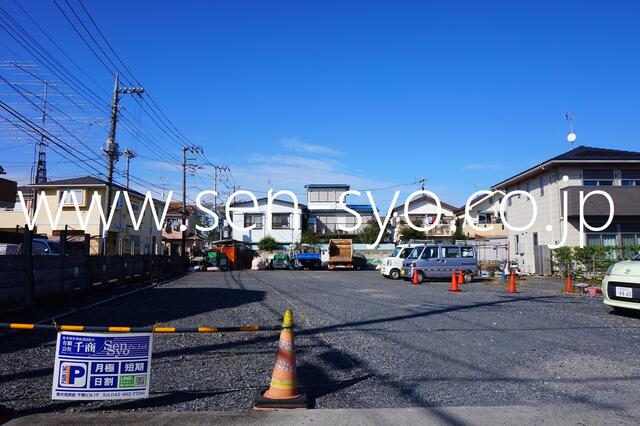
column 590, row 260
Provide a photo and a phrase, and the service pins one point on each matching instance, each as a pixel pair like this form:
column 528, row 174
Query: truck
column 307, row 257
column 340, row 254
column 280, row 261
column 217, row 261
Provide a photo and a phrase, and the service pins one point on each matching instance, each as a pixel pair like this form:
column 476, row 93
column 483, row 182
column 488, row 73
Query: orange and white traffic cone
column 283, row 392
column 512, row 284
column 414, row 279
column 568, row 285
column 454, row 281
column 460, row 277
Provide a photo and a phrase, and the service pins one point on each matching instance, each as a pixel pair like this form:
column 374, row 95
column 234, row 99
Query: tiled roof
column 581, row 153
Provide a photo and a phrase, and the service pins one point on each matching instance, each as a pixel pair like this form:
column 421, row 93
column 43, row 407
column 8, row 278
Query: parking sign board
column 92, row 366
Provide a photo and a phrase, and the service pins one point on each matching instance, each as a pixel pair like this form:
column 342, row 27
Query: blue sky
column 371, row 94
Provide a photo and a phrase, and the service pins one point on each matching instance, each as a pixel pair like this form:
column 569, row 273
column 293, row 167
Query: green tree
column 368, row 233
column 407, row 233
column 267, row 243
column 563, row 258
column 205, row 220
column 458, row 234
column 308, row 237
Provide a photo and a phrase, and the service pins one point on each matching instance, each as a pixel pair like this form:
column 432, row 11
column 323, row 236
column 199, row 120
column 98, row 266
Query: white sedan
column 621, row 285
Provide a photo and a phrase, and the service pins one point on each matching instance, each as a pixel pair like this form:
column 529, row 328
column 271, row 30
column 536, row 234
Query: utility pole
column 217, row 169
column 421, row 184
column 128, row 154
column 192, row 168
column 39, row 171
column 111, row 150
column 41, row 165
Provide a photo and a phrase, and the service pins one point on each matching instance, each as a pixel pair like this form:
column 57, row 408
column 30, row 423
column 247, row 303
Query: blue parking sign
column 96, row 366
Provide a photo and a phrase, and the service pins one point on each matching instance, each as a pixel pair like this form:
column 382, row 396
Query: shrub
column 368, row 233
column 267, row 243
column 407, row 233
column 308, row 238
column 590, row 260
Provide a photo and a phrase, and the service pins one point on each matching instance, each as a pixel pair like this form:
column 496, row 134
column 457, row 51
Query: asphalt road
column 362, row 342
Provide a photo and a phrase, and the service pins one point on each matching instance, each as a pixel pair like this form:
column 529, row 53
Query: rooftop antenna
column 571, row 137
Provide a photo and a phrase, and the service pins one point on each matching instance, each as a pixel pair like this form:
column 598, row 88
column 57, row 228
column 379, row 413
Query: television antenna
column 571, row 137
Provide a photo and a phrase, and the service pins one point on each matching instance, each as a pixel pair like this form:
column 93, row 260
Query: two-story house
column 325, row 216
column 423, row 211
column 172, row 232
column 581, row 169
column 121, row 237
column 284, row 224
column 484, row 215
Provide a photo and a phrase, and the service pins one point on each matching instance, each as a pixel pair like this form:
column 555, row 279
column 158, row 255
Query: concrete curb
column 494, row 415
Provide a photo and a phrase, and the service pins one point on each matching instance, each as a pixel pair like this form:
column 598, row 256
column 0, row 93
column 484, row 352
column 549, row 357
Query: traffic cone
column 568, row 285
column 454, row 281
column 512, row 284
column 460, row 277
column 414, row 279
column 283, row 392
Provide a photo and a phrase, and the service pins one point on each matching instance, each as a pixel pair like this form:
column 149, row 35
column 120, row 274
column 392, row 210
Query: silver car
column 438, row 260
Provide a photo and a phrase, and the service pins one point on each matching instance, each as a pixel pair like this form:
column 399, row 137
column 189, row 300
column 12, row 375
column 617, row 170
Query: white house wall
column 282, row 236
column 549, row 213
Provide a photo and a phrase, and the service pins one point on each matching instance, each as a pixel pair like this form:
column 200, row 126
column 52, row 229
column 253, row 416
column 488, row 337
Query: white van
column 392, row 264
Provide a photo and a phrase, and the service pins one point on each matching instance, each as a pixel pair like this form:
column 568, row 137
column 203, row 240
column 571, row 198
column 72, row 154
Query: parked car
column 392, row 265
column 359, row 261
column 437, row 261
column 42, row 247
column 621, row 285
column 8, row 248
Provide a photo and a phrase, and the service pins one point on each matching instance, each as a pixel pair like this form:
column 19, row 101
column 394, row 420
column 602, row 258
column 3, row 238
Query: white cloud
column 295, row 161
column 280, row 171
column 296, row 145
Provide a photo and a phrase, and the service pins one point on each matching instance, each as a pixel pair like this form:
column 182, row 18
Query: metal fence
column 25, row 279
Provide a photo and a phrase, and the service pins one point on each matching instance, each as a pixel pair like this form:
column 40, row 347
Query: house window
column 68, row 201
column 630, row 239
column 630, row 177
column 484, row 218
column 280, row 221
column 313, row 196
column 607, row 240
column 253, row 219
column 541, row 184
column 597, row 177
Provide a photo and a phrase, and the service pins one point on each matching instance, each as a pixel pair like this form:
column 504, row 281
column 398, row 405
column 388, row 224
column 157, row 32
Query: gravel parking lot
column 363, row 341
